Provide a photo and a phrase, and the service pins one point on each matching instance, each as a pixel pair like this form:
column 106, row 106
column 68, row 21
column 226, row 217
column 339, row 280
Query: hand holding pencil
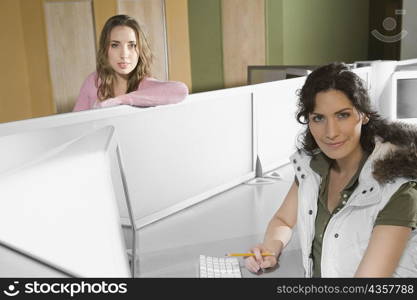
column 259, row 258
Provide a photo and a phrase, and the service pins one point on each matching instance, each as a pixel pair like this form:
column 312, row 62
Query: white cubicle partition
column 380, row 92
column 276, row 124
column 175, row 157
column 365, row 74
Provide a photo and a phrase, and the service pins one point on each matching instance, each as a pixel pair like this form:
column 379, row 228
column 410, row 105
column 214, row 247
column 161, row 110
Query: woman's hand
column 257, row 262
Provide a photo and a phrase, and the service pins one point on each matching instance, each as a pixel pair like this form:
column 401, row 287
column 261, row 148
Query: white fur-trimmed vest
column 348, row 232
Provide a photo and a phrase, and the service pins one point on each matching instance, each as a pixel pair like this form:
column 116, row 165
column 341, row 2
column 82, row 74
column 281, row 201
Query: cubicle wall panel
column 365, row 74
column 245, row 46
column 277, row 128
column 381, row 87
column 187, row 152
column 71, row 48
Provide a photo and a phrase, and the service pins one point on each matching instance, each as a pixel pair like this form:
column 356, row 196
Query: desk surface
column 232, row 221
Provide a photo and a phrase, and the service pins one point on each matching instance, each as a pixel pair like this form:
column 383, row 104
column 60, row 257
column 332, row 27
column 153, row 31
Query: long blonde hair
column 105, row 74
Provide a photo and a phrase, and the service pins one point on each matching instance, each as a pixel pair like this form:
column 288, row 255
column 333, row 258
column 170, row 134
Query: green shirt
column 401, row 209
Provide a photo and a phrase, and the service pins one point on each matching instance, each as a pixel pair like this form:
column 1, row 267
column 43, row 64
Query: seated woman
column 354, row 197
column 123, row 71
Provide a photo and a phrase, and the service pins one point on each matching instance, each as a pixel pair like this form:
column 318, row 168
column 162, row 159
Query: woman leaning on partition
column 354, row 197
column 123, row 71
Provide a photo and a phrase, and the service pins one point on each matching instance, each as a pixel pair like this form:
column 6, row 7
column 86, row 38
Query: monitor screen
column 406, row 98
column 261, row 74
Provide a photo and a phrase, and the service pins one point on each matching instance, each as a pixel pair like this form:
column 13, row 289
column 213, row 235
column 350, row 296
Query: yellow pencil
column 249, row 254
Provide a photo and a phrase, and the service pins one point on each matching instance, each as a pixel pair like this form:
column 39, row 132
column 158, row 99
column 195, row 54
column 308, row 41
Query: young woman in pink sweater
column 123, row 71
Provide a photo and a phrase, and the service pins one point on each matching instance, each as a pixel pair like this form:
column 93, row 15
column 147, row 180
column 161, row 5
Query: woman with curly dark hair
column 354, row 197
column 123, row 73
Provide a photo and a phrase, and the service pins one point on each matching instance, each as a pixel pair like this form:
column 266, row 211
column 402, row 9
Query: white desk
column 232, row 221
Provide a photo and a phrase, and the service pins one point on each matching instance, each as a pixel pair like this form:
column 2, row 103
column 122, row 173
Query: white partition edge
column 64, row 119
column 407, row 62
column 254, row 135
column 390, row 110
column 248, row 88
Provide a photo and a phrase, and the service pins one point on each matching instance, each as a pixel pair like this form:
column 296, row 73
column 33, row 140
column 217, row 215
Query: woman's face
column 336, row 125
column 123, row 54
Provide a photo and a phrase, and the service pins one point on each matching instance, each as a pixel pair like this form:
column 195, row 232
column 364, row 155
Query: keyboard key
column 219, row 267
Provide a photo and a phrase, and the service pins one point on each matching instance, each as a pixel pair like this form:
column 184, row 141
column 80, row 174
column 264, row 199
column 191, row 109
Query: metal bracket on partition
column 273, row 175
column 259, row 179
column 130, row 210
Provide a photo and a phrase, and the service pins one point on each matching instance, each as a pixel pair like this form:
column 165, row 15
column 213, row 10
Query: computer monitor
column 295, row 72
column 261, row 74
column 59, row 212
column 402, row 103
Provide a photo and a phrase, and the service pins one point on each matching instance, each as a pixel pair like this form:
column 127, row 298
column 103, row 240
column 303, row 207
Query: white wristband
column 283, row 234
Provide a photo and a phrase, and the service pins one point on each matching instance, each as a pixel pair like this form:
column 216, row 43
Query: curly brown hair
column 105, row 73
column 337, row 76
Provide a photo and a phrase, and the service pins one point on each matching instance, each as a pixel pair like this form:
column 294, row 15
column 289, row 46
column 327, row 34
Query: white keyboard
column 219, row 267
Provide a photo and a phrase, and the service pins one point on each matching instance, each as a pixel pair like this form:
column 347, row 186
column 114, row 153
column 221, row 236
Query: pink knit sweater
column 151, row 92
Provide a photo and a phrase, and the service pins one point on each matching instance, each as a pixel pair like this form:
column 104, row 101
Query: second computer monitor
column 59, row 213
